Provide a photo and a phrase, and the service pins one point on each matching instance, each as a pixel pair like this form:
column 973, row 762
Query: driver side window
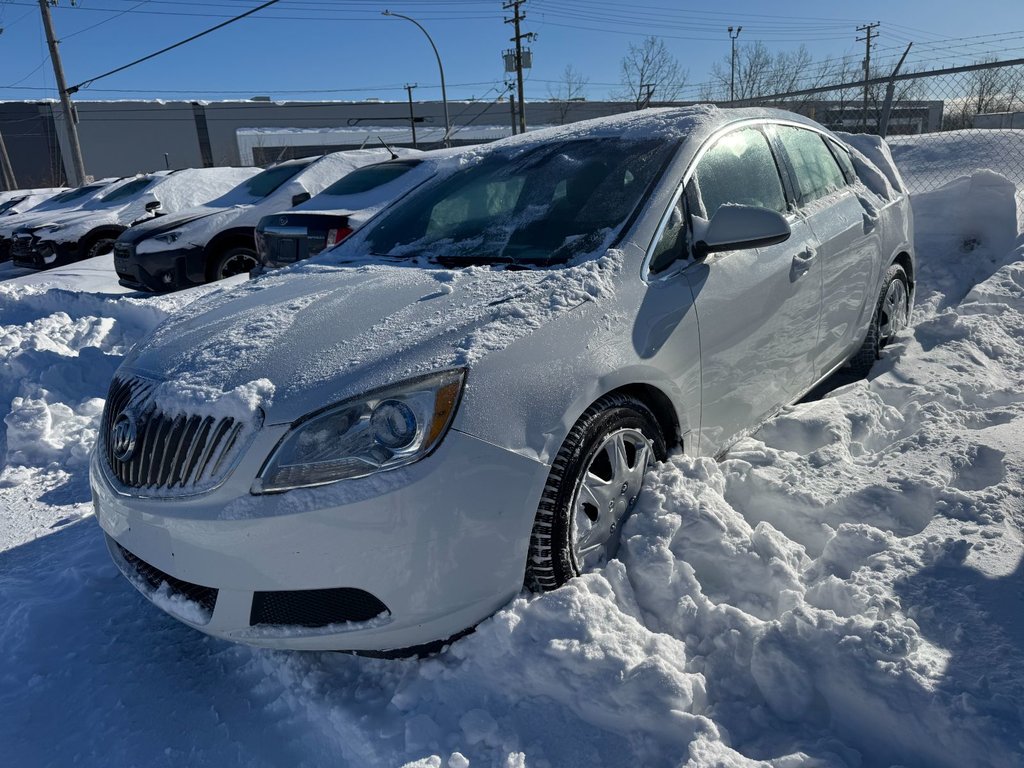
column 739, row 169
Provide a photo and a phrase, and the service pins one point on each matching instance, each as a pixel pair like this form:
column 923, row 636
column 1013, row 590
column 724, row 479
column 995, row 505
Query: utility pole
column 65, row 99
column 517, row 18
column 868, row 30
column 412, row 116
column 732, row 67
column 512, row 106
column 8, row 173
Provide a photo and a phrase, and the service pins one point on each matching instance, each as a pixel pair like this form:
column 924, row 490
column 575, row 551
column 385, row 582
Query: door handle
column 803, row 261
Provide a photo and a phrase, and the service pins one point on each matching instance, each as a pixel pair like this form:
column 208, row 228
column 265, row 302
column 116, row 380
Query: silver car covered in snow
column 376, row 449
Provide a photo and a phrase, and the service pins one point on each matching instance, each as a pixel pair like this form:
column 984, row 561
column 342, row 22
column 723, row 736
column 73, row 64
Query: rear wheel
column 593, row 486
column 891, row 316
column 239, row 260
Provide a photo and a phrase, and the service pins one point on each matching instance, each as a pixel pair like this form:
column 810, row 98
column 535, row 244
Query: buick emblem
column 123, row 436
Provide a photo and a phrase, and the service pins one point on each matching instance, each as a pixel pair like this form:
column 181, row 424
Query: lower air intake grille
column 205, row 597
column 314, row 607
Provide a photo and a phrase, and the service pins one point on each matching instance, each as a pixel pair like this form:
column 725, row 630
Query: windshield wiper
column 457, row 262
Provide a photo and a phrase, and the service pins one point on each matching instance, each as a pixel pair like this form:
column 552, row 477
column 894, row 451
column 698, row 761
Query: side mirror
column 152, row 205
column 734, row 227
column 300, row 198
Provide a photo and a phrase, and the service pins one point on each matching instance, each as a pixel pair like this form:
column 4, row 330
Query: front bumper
column 164, row 270
column 441, row 543
column 35, row 253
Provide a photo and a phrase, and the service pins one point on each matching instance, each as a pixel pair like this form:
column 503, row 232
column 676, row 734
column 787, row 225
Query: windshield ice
column 543, row 205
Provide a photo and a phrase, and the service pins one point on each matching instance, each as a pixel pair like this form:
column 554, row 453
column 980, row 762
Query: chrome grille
column 188, row 453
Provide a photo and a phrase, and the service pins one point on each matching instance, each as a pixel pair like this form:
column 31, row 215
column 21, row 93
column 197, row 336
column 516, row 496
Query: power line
column 205, row 32
column 101, row 23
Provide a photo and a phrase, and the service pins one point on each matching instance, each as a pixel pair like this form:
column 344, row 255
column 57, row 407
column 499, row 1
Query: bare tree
column 759, row 72
column 987, row 90
column 650, row 72
column 571, row 88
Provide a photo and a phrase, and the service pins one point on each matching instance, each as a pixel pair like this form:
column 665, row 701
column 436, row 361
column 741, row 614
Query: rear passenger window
column 817, row 172
column 843, row 156
column 739, row 169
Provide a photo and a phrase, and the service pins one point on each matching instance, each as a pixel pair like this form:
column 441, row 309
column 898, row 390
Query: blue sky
column 344, row 49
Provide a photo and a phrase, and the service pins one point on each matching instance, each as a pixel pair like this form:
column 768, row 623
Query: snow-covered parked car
column 217, row 240
column 284, row 237
column 90, row 230
column 69, row 200
column 376, row 449
column 21, row 200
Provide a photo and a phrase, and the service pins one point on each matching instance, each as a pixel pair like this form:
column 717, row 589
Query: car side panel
column 758, row 312
column 849, row 252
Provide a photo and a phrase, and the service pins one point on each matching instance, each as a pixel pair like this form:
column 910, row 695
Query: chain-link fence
column 945, row 119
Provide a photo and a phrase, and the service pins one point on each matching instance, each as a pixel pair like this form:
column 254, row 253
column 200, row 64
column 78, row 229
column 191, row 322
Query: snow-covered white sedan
column 217, row 240
column 376, row 449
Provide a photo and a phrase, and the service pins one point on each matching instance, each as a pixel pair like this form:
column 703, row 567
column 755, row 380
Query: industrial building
column 119, row 138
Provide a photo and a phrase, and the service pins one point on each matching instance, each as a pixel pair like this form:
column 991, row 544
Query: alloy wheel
column 893, row 311
column 606, row 494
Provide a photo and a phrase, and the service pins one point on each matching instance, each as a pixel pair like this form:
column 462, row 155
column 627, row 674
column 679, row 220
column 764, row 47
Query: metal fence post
column 890, row 90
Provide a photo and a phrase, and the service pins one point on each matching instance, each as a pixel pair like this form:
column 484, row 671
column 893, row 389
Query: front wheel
column 892, row 313
column 101, row 246
column 239, row 260
column 592, row 488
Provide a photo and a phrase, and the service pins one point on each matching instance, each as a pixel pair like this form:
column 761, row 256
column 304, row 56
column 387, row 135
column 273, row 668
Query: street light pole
column 444, row 93
column 732, row 68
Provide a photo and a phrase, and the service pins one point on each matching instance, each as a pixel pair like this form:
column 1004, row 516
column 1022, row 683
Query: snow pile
column 58, row 352
column 932, row 159
column 843, row 590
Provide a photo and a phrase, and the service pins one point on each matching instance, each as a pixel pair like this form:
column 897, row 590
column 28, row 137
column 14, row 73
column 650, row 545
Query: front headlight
column 168, row 237
column 385, row 429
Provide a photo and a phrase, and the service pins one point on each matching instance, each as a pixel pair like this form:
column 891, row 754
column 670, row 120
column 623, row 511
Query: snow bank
column 58, row 352
column 932, row 159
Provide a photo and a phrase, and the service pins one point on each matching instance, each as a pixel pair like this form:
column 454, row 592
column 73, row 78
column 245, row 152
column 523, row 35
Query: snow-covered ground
column 845, row 588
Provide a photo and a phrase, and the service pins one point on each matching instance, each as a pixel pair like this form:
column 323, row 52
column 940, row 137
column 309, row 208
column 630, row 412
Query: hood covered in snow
column 321, row 334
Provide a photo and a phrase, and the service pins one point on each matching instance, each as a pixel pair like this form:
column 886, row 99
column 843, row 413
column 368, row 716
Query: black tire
column 552, row 560
column 877, row 337
column 237, row 260
column 101, row 246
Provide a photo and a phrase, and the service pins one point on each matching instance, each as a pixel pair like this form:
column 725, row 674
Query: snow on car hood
column 297, row 341
column 69, row 227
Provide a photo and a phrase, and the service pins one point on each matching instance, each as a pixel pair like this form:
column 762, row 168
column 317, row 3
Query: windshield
column 541, row 206
column 369, row 177
column 73, row 194
column 265, row 182
column 124, row 191
column 4, row 207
